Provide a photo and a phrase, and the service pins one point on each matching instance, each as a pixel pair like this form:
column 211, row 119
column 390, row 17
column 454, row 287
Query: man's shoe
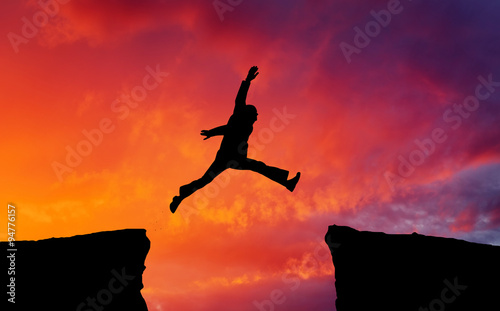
column 175, row 203
column 290, row 184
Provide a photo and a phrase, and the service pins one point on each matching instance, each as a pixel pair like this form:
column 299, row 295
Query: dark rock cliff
column 99, row 271
column 378, row 271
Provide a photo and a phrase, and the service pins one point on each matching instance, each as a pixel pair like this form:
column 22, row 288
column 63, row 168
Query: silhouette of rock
column 99, row 271
column 378, row 271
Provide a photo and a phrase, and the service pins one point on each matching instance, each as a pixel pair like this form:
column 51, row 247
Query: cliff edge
column 98, row 271
column 378, row 271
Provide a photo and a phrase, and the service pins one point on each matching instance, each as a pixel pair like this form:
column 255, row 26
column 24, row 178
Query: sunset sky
column 390, row 109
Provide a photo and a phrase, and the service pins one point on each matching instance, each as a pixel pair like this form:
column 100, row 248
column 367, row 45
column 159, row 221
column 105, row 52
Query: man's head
column 251, row 113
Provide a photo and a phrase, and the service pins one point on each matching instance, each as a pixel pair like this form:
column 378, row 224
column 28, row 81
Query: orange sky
column 344, row 124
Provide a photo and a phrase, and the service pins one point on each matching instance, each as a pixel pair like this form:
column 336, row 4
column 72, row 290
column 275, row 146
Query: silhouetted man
column 234, row 147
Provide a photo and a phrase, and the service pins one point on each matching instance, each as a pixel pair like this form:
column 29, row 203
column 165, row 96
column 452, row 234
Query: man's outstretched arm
column 214, row 132
column 241, row 97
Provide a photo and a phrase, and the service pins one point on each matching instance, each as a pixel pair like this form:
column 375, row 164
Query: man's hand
column 252, row 73
column 213, row 132
column 206, row 133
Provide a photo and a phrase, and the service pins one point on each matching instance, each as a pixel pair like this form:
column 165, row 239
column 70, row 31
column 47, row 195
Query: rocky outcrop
column 378, row 271
column 99, row 271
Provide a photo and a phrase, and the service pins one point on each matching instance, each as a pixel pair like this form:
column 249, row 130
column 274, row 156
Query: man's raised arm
column 241, row 97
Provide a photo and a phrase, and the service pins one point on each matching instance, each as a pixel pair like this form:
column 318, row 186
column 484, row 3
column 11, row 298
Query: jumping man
column 234, row 147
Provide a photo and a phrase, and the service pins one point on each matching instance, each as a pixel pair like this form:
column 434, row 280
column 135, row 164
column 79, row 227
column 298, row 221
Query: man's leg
column 275, row 174
column 213, row 171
